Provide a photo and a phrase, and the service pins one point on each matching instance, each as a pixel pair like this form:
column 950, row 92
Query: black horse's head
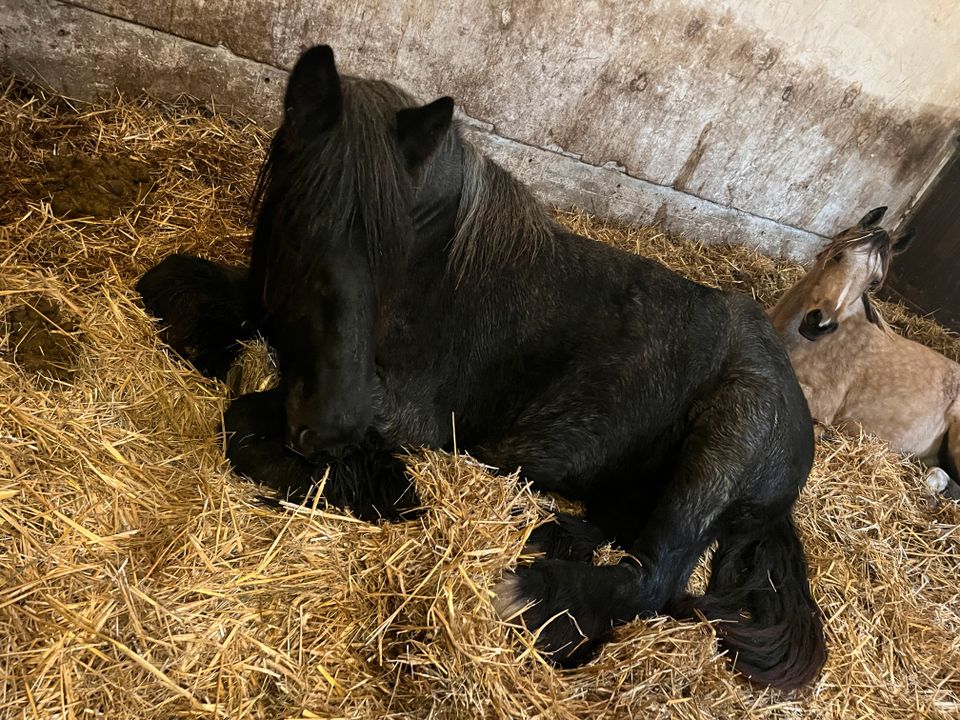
column 340, row 199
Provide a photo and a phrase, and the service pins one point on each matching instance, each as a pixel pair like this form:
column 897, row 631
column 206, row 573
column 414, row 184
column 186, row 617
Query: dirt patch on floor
column 43, row 338
column 100, row 187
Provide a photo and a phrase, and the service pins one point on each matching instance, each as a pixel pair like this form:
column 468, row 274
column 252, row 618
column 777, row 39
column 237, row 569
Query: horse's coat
column 404, row 279
column 854, row 370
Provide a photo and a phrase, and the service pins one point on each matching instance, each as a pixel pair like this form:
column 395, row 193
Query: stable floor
column 139, row 578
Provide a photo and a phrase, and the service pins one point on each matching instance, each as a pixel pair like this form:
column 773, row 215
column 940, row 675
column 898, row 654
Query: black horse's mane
column 356, row 175
column 499, row 221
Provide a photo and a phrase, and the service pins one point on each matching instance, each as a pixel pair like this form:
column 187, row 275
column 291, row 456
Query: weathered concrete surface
column 729, row 101
column 84, row 55
column 170, row 65
column 173, row 65
column 607, row 192
column 710, row 105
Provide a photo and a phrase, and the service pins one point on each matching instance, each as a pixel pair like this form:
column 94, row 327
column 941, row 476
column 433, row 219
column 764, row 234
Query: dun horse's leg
column 938, row 481
column 202, row 306
column 369, row 479
column 952, row 488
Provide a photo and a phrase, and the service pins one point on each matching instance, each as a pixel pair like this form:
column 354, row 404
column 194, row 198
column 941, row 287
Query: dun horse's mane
column 357, row 176
column 879, row 243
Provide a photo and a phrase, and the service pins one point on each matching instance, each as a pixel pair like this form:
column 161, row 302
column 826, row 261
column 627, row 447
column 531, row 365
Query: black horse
column 407, row 282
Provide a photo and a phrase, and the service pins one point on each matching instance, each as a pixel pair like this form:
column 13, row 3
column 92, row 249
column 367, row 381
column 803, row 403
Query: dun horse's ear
column 872, row 218
column 902, row 241
column 420, row 129
column 313, row 100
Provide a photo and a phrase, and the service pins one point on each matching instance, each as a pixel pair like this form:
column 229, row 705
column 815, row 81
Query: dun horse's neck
column 787, row 313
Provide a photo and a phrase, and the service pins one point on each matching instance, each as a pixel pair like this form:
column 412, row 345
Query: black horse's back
column 405, row 280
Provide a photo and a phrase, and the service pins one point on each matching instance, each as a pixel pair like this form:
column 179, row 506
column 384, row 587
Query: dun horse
column 405, row 279
column 854, row 370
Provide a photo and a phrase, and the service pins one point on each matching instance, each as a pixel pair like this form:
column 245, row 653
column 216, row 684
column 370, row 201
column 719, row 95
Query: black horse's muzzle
column 315, row 445
column 812, row 327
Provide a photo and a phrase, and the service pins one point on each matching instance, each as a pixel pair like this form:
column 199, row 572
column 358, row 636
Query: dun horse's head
column 838, row 285
column 335, row 213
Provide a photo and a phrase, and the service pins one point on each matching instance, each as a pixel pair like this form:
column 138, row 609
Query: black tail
column 770, row 625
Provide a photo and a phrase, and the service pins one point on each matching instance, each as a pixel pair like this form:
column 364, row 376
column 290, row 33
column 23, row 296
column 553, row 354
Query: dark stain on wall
column 680, row 182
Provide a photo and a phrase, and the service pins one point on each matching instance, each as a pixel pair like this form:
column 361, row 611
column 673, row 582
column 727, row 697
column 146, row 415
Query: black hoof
column 567, row 537
column 569, row 605
column 201, row 306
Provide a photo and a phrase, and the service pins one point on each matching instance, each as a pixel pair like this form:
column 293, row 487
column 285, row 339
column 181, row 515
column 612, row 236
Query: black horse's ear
column 902, row 241
column 420, row 129
column 872, row 218
column 313, row 100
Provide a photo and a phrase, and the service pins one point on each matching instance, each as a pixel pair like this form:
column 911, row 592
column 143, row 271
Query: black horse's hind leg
column 202, row 306
column 567, row 537
column 369, row 479
column 575, row 605
column 736, row 477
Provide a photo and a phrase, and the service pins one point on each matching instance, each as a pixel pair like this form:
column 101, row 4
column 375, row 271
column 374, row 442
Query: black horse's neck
column 477, row 215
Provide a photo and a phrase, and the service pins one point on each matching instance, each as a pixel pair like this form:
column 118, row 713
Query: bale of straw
column 140, row 579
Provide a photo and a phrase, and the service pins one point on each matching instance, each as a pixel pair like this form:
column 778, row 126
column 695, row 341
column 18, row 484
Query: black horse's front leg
column 369, row 480
column 202, row 305
column 566, row 537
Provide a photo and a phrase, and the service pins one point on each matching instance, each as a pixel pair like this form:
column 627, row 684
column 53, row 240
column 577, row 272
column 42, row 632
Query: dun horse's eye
column 837, row 258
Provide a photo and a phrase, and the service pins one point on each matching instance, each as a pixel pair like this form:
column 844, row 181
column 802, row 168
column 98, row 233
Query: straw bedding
column 140, row 579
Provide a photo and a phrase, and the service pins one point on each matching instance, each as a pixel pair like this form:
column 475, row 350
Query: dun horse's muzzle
column 813, row 327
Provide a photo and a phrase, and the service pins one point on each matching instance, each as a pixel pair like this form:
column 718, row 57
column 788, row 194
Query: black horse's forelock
column 355, row 174
column 347, row 177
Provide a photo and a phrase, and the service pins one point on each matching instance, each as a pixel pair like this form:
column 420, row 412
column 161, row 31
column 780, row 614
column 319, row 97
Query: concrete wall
column 770, row 122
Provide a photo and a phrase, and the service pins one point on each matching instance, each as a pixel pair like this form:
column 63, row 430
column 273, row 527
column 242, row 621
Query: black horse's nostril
column 303, row 440
column 306, row 437
column 813, row 318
